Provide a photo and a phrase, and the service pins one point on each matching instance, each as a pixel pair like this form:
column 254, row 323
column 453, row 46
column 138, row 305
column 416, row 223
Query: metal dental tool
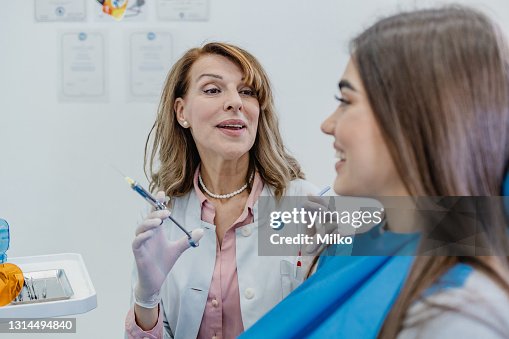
column 158, row 206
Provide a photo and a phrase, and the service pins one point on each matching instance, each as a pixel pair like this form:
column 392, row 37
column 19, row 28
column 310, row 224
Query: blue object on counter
column 4, row 240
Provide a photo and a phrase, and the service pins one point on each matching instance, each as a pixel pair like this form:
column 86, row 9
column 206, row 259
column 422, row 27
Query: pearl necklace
column 223, row 196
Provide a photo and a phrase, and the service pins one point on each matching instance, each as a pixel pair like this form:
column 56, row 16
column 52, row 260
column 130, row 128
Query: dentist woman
column 218, row 149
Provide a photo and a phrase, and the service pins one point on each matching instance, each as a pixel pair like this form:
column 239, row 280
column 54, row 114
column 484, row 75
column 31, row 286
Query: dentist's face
column 364, row 166
column 222, row 111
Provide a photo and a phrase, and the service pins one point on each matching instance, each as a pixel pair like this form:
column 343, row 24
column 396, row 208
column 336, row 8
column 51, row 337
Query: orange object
column 11, row 283
column 115, row 8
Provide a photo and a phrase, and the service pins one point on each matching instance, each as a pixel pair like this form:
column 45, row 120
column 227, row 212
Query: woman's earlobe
column 178, row 108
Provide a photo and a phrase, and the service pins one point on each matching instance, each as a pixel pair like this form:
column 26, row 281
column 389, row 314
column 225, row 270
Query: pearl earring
column 185, row 124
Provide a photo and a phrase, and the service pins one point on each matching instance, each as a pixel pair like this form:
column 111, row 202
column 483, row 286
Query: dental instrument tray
column 55, row 285
column 43, row 286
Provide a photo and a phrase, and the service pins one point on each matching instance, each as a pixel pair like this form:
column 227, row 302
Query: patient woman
column 216, row 151
column 424, row 111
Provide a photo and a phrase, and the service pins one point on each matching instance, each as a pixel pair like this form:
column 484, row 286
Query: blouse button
column 249, row 293
column 215, row 303
column 246, row 231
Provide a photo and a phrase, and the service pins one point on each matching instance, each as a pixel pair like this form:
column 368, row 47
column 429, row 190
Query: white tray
column 83, row 299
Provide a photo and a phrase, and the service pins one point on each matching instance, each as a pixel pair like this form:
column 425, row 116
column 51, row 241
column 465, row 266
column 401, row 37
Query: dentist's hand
column 155, row 255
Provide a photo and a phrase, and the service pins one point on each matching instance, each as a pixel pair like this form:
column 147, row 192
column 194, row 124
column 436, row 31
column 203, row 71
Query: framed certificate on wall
column 60, row 10
column 83, row 67
column 183, row 10
column 150, row 60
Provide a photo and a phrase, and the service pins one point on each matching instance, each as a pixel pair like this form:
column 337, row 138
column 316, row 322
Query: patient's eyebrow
column 346, row 84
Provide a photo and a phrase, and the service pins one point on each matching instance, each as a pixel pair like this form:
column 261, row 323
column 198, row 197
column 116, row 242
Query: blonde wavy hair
column 174, row 145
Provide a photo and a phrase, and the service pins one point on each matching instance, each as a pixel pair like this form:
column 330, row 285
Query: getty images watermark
column 337, row 221
column 440, row 225
column 301, row 216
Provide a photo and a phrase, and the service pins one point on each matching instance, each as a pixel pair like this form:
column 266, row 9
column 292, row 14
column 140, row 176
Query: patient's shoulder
column 479, row 308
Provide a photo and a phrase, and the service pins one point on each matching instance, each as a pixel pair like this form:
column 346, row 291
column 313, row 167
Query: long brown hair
column 175, row 150
column 438, row 83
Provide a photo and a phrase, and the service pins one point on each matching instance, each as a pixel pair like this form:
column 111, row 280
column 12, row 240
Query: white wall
column 57, row 189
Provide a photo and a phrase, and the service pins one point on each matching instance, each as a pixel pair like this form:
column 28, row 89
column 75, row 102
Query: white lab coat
column 263, row 280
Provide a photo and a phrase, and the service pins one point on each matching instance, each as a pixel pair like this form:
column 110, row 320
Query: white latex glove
column 155, row 255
